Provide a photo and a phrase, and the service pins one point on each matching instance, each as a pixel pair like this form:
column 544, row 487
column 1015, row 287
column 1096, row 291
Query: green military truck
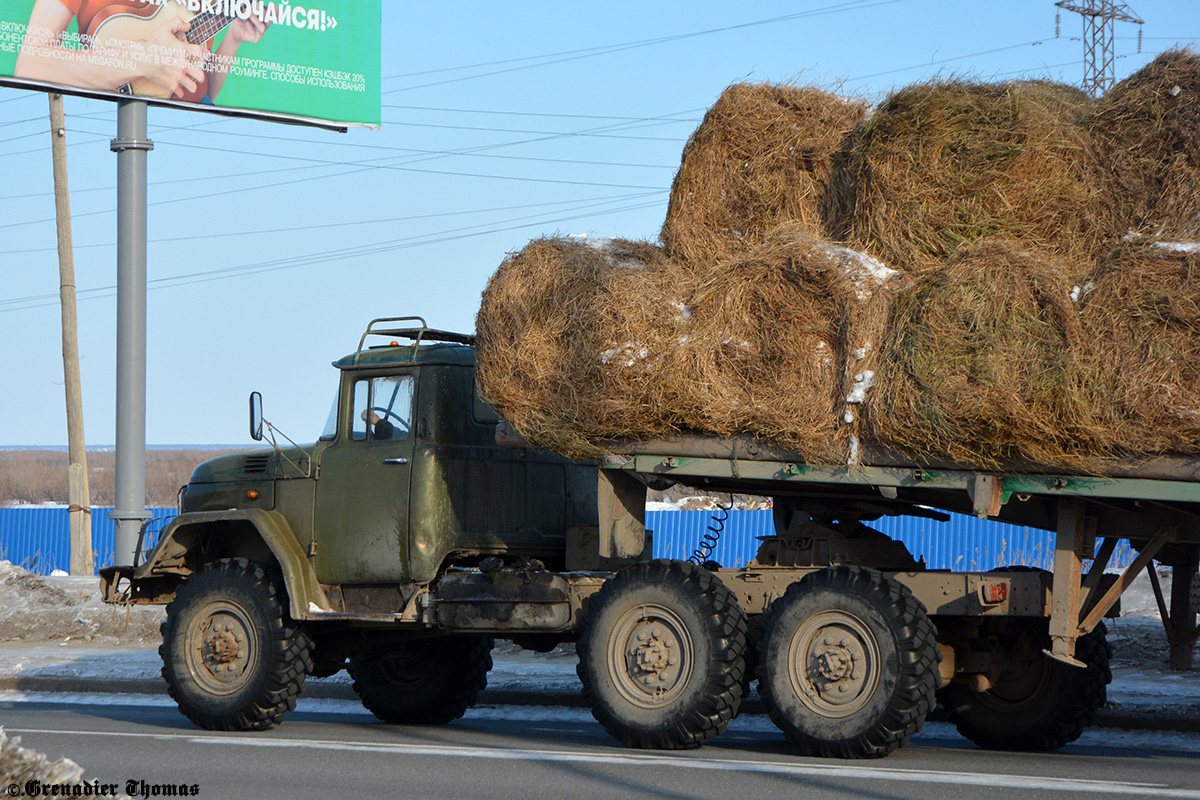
column 418, row 529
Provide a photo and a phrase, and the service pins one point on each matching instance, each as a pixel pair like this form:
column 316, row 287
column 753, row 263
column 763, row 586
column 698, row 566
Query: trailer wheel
column 232, row 659
column 1037, row 703
column 662, row 655
column 423, row 682
column 848, row 663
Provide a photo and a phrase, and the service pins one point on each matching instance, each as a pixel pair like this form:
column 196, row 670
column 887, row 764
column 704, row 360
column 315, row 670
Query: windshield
column 330, row 431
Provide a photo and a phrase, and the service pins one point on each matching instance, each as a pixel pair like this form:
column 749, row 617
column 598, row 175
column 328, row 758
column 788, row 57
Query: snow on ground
column 36, row 608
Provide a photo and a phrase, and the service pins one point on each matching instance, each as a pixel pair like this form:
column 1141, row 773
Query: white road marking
column 792, row 769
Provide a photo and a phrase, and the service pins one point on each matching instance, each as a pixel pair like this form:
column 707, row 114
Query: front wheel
column 232, row 659
column 662, row 655
column 1036, row 703
column 848, row 663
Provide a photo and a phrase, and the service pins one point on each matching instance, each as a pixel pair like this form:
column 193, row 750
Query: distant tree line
column 40, row 476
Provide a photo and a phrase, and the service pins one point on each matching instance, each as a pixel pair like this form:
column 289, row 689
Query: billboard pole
column 131, row 146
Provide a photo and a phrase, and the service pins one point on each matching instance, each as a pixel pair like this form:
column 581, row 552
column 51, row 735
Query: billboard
column 308, row 61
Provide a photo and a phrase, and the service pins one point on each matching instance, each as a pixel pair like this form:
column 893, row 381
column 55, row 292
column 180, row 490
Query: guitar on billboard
column 122, row 22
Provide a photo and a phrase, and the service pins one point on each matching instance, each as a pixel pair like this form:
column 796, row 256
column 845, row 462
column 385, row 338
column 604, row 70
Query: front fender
column 224, row 534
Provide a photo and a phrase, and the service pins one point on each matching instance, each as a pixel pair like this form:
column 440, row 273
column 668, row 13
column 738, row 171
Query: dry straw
column 1142, row 308
column 982, row 365
column 573, row 339
column 769, row 344
column 942, row 165
column 760, row 158
column 1147, row 129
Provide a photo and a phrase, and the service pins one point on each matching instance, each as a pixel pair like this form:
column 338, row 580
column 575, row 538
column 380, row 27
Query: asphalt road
column 536, row 752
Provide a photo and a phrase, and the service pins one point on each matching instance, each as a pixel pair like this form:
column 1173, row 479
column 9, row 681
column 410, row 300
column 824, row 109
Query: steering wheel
column 392, row 416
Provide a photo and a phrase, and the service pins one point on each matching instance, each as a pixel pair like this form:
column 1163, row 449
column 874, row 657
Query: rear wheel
column 232, row 659
column 423, row 682
column 1036, row 702
column 848, row 663
column 661, row 655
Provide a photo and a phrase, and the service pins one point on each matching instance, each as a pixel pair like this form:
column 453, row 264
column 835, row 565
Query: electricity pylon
column 1098, row 56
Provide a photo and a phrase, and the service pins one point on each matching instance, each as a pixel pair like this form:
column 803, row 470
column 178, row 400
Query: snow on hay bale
column 982, row 365
column 770, row 341
column 1142, row 308
column 573, row 333
column 761, row 157
column 946, row 164
column 583, row 341
column 1147, row 130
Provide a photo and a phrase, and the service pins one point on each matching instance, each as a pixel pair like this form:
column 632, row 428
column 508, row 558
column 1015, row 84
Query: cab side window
column 383, row 409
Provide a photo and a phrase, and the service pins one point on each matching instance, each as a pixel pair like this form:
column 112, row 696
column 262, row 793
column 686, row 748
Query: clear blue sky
column 272, row 246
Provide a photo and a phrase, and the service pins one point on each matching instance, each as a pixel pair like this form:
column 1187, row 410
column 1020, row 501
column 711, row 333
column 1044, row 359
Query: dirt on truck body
column 418, row 529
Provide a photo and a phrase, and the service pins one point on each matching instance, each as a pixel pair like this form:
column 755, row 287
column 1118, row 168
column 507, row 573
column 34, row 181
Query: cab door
column 362, row 491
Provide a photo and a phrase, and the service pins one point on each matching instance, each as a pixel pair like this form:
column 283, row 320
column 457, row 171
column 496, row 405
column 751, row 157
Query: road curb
column 1184, row 720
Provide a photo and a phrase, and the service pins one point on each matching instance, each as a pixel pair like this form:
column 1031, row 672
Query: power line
column 948, row 60
column 595, row 201
column 537, row 133
column 368, row 162
column 401, row 168
column 617, row 48
column 308, row 258
column 525, row 113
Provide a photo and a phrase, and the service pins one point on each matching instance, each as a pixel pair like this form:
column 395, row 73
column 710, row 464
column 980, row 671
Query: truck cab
column 405, row 482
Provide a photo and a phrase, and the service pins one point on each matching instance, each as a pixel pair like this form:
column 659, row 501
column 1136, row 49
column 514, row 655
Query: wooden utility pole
column 78, row 493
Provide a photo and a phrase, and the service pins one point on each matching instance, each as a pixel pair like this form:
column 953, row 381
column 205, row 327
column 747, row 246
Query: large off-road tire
column 232, row 659
column 1037, row 703
column 662, row 655
column 848, row 663
column 425, row 681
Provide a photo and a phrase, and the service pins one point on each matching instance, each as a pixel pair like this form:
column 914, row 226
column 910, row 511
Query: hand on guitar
column 175, row 65
column 241, row 31
column 247, row 31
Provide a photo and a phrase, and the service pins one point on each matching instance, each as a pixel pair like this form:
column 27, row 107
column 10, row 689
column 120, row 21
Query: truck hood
column 288, row 462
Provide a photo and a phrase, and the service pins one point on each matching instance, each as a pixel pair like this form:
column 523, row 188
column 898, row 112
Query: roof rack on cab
column 417, row 335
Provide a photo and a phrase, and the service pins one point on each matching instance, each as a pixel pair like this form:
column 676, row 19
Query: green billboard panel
column 312, row 61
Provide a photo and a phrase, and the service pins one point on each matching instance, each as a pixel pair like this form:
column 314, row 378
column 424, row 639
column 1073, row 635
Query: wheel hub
column 222, row 646
column 221, row 656
column 834, row 664
column 650, row 656
column 653, row 656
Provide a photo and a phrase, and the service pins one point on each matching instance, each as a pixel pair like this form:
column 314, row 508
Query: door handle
column 395, row 461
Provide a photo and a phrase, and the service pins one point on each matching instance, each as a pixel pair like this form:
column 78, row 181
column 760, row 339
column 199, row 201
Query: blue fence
column 38, row 539
column 963, row 544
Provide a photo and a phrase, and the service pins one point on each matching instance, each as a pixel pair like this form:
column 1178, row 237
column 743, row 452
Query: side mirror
column 256, row 417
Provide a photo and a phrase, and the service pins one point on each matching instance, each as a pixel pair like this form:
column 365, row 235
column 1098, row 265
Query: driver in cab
column 381, row 429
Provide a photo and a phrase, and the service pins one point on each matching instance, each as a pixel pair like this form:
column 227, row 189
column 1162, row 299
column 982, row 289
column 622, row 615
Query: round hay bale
column 760, row 158
column 1142, row 308
column 942, row 165
column 1147, row 130
column 573, row 338
column 766, row 350
column 982, row 366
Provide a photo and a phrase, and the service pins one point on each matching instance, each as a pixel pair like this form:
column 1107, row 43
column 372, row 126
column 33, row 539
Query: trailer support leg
column 1181, row 627
column 622, row 507
column 1069, row 548
column 1110, row 598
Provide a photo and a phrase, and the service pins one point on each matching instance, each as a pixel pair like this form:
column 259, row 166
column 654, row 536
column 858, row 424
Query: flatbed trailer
column 1159, row 516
